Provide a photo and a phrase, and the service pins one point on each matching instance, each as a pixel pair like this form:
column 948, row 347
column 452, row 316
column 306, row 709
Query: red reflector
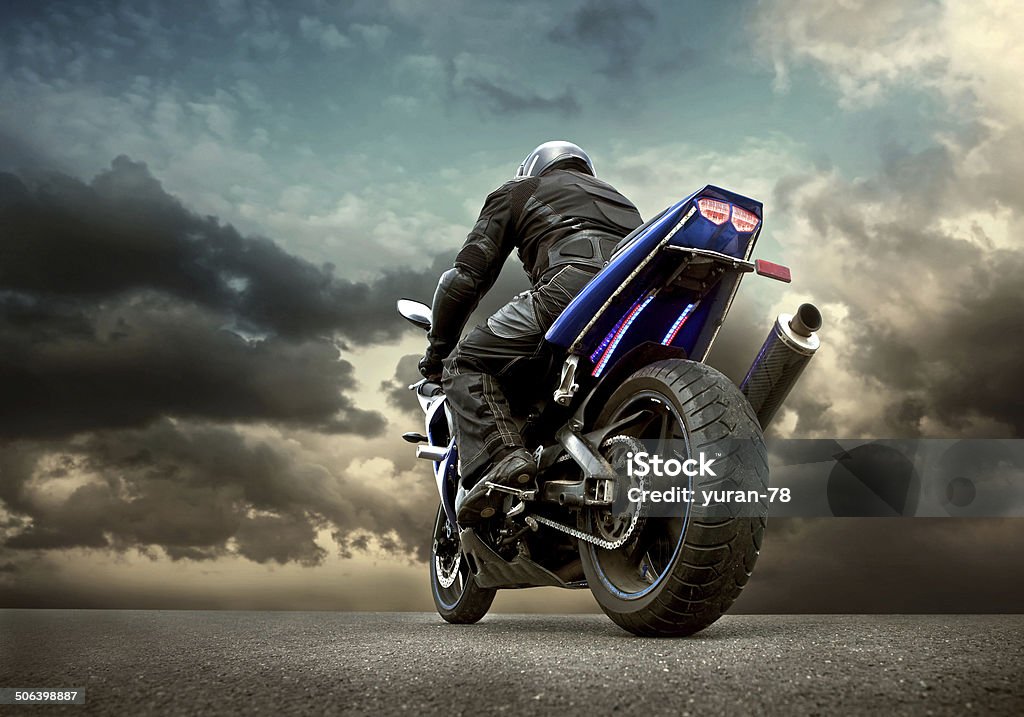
column 716, row 211
column 773, row 271
column 743, row 220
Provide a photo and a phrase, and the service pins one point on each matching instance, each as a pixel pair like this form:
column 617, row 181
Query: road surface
column 171, row 663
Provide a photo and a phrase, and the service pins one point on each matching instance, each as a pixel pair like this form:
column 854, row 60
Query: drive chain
column 593, row 539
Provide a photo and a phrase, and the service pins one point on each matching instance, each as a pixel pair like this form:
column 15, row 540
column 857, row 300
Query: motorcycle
column 633, row 379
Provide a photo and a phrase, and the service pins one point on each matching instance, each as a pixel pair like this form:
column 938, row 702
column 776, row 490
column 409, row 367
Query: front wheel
column 680, row 570
column 457, row 597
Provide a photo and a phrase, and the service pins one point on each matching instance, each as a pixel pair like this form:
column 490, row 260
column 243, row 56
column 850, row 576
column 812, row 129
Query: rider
column 564, row 222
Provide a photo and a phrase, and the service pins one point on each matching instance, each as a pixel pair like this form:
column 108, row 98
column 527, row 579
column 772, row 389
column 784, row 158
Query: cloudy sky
column 208, row 209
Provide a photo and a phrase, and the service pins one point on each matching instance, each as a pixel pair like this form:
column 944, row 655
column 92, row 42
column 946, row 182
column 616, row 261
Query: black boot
column 515, row 470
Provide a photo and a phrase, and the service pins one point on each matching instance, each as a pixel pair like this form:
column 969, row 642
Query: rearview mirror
column 415, row 312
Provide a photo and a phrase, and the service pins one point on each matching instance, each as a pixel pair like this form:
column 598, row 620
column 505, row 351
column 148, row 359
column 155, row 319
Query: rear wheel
column 680, row 571
column 457, row 597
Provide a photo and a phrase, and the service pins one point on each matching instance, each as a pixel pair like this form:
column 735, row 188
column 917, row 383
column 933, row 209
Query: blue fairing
column 630, row 301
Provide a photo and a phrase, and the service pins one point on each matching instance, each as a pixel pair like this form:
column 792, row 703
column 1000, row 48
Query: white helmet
column 549, row 154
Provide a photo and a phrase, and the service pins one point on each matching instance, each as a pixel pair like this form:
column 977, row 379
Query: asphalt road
column 170, row 663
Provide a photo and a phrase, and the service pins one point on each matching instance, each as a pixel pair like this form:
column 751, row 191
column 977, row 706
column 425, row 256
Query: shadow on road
column 598, row 626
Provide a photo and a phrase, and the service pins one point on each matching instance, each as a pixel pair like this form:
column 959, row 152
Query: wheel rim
column 639, row 566
column 449, row 569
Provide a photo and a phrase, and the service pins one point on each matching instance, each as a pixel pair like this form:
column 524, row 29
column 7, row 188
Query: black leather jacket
column 563, row 216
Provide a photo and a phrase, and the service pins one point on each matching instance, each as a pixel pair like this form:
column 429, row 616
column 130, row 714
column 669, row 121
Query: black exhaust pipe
column 790, row 345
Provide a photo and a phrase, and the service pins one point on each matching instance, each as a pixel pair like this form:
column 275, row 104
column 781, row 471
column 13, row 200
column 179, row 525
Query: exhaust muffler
column 790, row 345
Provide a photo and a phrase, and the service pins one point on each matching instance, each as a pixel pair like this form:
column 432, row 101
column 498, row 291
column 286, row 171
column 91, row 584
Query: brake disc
column 446, row 576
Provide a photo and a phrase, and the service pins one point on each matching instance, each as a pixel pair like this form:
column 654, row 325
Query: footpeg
column 522, row 495
column 432, row 453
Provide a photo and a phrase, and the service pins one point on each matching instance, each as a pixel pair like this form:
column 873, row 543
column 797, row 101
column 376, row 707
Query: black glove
column 430, row 366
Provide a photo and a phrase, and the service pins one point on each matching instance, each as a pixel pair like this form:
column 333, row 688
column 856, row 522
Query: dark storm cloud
column 613, row 28
column 928, row 299
column 396, row 390
column 66, row 368
column 965, row 364
column 162, row 503
column 135, row 336
column 119, row 305
column 196, row 489
column 122, row 233
column 279, row 538
column 933, row 308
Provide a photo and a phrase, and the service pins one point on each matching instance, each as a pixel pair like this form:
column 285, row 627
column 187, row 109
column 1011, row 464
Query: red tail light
column 743, row 220
column 773, row 271
column 714, row 210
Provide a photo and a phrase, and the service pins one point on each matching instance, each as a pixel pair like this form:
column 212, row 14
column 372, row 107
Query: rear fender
column 633, row 360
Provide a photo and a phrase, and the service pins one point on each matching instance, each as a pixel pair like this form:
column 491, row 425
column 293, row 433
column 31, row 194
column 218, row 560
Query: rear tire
column 457, row 597
column 678, row 575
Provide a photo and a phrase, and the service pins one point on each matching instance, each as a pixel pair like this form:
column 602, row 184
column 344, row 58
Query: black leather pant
column 508, row 352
